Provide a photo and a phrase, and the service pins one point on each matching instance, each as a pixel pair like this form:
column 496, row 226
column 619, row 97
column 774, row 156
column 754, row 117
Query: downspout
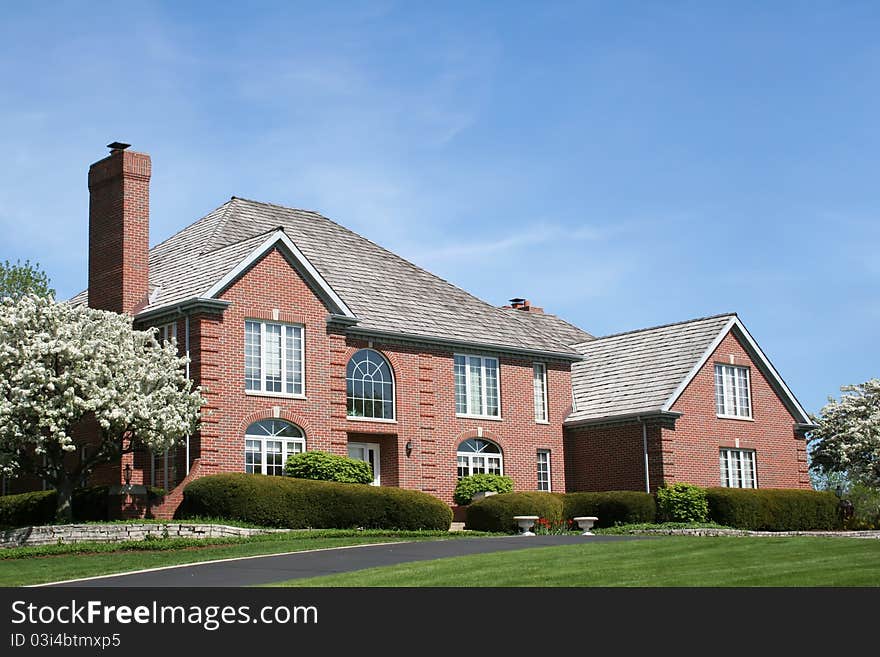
column 645, row 448
column 186, row 339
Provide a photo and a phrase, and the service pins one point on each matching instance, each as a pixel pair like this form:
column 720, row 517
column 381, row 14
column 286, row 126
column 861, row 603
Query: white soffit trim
column 763, row 361
column 696, row 368
column 805, row 418
column 301, row 260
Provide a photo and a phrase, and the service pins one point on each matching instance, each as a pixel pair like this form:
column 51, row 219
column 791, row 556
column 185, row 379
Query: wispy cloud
column 528, row 236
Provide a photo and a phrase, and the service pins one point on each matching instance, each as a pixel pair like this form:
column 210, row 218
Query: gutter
column 645, row 448
column 663, row 416
column 186, row 306
column 467, row 344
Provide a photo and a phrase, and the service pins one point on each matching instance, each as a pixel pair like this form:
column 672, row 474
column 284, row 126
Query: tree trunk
column 64, row 508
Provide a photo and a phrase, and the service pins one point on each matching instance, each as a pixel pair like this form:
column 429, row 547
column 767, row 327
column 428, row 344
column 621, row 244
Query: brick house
column 307, row 336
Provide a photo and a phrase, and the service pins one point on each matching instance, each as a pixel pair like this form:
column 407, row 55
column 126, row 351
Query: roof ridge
column 378, row 246
column 553, row 315
column 220, row 223
column 237, row 242
column 171, row 237
column 659, row 326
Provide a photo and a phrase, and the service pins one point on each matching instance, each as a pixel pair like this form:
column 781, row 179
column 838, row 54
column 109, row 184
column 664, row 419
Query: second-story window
column 539, row 385
column 732, row 395
column 273, row 358
column 476, row 386
column 369, row 386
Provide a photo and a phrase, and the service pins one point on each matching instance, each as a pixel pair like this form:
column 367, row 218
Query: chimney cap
column 118, row 146
column 517, row 301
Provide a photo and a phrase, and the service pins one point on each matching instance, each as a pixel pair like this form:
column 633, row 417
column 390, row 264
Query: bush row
column 38, row 508
column 771, row 509
column 304, row 503
column 755, row 509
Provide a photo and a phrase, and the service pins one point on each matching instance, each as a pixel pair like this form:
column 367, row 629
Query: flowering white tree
column 847, row 441
column 61, row 366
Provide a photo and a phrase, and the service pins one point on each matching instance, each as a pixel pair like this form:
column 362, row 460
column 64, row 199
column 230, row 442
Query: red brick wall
column 425, row 403
column 611, row 458
column 119, row 231
column 781, row 459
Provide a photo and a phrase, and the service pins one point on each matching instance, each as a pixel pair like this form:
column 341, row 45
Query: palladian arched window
column 478, row 456
column 268, row 443
column 369, row 386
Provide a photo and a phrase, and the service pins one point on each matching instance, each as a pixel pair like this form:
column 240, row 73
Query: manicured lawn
column 45, row 564
column 668, row 561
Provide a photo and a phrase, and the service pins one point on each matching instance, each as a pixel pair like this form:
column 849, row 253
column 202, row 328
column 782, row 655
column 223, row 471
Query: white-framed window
column 732, row 391
column 539, row 385
column 167, row 333
column 544, row 470
column 273, row 358
column 738, row 468
column 478, row 456
column 369, row 386
column 268, row 443
column 477, row 390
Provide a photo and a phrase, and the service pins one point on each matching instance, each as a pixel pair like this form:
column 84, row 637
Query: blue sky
column 621, row 164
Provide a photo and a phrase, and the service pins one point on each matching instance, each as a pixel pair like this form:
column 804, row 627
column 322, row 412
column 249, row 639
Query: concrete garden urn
column 525, row 524
column 586, row 524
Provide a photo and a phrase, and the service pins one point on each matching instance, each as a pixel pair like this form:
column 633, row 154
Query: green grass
column 673, row 561
column 51, row 563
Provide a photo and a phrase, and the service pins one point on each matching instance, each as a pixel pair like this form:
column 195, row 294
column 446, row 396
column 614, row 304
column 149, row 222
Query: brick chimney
column 119, row 230
column 524, row 305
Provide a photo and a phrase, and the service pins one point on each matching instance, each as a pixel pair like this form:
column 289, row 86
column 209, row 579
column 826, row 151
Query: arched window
column 268, row 443
column 369, row 386
column 478, row 456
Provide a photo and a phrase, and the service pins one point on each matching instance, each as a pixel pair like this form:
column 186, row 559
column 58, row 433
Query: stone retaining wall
column 110, row 533
column 708, row 531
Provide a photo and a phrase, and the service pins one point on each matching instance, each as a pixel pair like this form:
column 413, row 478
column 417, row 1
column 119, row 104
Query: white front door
column 368, row 453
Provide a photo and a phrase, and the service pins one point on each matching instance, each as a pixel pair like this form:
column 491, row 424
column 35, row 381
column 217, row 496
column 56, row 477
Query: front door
column 368, row 453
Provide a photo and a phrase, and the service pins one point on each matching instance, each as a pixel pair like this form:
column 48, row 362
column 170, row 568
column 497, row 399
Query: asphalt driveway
column 251, row 571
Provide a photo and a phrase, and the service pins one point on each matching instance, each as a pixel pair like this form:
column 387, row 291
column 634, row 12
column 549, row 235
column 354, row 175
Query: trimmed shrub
column 303, row 503
column 469, row 486
column 682, row 503
column 324, row 466
column 495, row 513
column 38, row 508
column 622, row 507
column 773, row 509
column 865, row 508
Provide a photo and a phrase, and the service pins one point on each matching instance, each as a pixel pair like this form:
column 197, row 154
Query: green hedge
column 38, row 508
column 303, row 503
column 682, row 502
column 323, row 466
column 469, row 486
column 772, row 509
column 612, row 507
column 495, row 513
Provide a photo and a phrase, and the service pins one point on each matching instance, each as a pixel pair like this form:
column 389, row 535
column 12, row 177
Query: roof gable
column 279, row 239
column 758, row 357
column 645, row 372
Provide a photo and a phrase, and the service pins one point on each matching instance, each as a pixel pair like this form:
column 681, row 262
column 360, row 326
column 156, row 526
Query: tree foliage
column 847, row 440
column 63, row 368
column 19, row 279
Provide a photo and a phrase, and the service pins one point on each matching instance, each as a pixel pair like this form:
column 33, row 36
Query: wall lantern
column 127, row 474
column 408, row 447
